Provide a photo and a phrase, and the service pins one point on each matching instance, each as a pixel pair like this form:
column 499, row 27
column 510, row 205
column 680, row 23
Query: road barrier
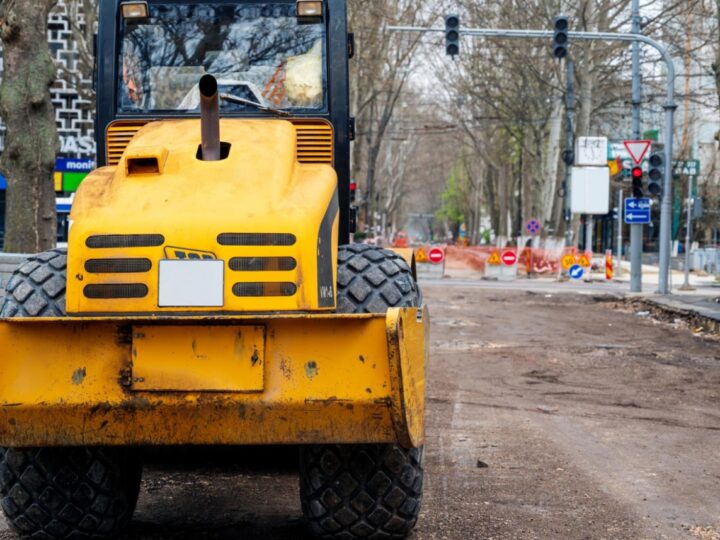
column 430, row 261
column 706, row 259
column 545, row 260
column 609, row 266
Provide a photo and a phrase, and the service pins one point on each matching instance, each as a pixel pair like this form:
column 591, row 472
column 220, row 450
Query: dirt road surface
column 549, row 416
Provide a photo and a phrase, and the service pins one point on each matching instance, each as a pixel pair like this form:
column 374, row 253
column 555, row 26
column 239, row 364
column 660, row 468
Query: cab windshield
column 258, row 52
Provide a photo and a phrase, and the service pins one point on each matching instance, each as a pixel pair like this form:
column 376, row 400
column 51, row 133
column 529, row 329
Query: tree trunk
column 32, row 140
column 716, row 64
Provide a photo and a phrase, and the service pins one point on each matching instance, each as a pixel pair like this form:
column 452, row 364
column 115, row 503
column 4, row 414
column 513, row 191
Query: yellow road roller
column 210, row 294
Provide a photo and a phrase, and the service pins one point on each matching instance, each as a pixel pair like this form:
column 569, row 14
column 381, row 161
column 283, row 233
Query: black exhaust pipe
column 210, row 119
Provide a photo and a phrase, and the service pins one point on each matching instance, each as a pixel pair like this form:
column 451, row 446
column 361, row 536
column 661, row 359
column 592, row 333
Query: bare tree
column 398, row 155
column 716, row 64
column 32, row 141
column 380, row 74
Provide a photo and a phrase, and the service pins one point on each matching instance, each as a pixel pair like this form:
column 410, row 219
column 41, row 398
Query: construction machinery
column 209, row 294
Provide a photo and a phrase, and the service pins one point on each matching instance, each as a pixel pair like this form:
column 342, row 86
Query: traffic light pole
column 569, row 146
column 669, row 107
column 636, row 230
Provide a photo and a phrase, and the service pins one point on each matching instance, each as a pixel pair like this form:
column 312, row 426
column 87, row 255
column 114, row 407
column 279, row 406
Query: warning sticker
column 495, row 259
column 568, row 261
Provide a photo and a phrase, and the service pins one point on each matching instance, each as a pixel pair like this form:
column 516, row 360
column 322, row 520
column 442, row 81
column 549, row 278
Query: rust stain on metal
column 196, row 353
column 79, row 376
column 136, row 404
column 311, row 369
column 285, row 368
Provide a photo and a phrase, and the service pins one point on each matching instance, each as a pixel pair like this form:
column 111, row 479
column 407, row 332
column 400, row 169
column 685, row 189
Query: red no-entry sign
column 509, row 258
column 436, row 255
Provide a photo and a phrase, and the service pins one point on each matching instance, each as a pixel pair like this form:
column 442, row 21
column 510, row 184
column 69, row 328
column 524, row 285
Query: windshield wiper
column 259, row 106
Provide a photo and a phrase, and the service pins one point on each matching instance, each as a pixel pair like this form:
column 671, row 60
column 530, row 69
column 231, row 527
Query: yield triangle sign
column 637, row 150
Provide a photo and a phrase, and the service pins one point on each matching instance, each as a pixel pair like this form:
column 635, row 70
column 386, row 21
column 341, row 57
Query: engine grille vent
column 117, row 266
column 119, row 135
column 264, row 289
column 256, row 239
column 263, row 264
column 314, row 142
column 124, row 240
column 119, row 290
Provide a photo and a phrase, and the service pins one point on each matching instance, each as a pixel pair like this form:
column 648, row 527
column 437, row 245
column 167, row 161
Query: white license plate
column 191, row 283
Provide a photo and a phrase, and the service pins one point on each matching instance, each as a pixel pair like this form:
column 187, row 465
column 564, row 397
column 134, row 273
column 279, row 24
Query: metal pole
column 688, row 236
column 621, row 203
column 636, row 242
column 589, row 225
column 569, row 146
column 666, row 205
column 670, row 106
column 636, row 231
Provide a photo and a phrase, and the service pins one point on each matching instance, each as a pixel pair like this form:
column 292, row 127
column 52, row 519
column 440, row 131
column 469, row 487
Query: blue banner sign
column 74, row 165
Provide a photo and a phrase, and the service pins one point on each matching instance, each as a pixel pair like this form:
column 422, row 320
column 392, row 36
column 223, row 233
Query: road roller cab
column 209, row 294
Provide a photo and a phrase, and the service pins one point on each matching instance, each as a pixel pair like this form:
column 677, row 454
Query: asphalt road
column 549, row 416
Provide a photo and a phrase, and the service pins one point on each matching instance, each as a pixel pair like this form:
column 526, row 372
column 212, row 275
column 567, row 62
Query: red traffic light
column 637, row 173
column 353, row 186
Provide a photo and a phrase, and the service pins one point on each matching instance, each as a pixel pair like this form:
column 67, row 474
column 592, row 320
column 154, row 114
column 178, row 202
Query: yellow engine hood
column 258, row 194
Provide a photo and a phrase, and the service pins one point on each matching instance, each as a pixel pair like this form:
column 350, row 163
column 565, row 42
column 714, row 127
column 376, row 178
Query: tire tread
column 370, row 491
column 361, row 491
column 372, row 279
column 83, row 493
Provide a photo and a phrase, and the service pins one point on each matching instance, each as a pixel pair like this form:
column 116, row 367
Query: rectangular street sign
column 591, row 151
column 637, row 211
column 688, row 167
column 590, row 190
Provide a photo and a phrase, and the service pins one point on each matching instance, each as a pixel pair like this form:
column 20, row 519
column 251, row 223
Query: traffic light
column 637, row 181
column 561, row 26
column 452, row 35
column 353, row 191
column 656, row 173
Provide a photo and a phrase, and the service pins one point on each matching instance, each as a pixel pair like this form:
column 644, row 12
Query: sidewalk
column 704, row 306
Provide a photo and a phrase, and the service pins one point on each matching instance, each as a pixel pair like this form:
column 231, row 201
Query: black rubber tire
column 37, row 287
column 370, row 491
column 372, row 279
column 356, row 491
column 78, row 493
column 59, row 493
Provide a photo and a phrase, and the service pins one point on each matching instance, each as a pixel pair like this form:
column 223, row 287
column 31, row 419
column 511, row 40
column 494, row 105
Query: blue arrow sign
column 637, row 211
column 576, row 272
